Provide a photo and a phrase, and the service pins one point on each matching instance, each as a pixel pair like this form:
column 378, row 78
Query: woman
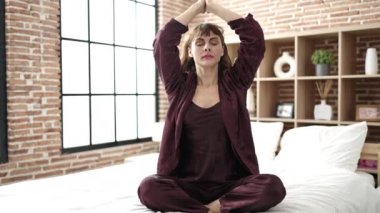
column 207, row 160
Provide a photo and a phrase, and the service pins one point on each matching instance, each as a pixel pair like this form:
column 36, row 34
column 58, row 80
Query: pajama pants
column 250, row 194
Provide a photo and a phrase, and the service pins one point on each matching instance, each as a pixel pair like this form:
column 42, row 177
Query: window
column 108, row 72
column 3, row 88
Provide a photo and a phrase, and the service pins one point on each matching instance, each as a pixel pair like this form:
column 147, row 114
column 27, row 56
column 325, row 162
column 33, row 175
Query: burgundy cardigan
column 233, row 85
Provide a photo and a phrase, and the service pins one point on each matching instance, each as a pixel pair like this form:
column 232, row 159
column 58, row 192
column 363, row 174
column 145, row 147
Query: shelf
column 350, row 85
column 353, row 122
column 360, row 76
column 275, row 79
column 371, row 148
column 312, row 121
column 253, row 119
column 285, row 120
column 318, row 77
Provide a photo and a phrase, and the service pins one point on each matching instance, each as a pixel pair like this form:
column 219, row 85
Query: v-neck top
column 206, row 153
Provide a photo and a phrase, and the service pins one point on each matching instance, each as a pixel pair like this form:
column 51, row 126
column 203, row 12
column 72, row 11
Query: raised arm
column 251, row 50
column 166, row 53
column 252, row 44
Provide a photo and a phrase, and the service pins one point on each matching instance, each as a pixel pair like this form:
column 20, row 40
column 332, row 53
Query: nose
column 207, row 47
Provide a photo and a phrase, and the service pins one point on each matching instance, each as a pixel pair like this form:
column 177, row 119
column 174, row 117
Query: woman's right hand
column 213, row 7
column 198, row 7
column 202, row 6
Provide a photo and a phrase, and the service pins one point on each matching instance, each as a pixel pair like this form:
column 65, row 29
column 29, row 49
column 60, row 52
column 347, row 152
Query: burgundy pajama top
column 233, row 84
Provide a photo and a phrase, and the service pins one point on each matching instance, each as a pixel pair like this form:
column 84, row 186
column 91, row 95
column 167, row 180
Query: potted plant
column 322, row 60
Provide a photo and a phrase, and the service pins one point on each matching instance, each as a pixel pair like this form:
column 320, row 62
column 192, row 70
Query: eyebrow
column 212, row 38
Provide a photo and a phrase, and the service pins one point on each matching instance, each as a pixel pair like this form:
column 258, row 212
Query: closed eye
column 214, row 41
column 199, row 42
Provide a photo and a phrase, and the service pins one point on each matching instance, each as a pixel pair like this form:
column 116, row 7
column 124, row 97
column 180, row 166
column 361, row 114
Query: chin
column 209, row 64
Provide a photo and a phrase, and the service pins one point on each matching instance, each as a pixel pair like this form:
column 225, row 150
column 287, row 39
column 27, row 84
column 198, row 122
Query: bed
column 319, row 187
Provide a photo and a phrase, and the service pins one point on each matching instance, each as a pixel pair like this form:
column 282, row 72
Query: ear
column 189, row 52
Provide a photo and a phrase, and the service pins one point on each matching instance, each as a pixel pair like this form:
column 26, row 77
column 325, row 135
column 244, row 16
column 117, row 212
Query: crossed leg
column 250, row 194
column 164, row 194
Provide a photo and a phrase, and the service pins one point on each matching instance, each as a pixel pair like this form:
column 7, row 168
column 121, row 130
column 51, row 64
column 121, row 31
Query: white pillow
column 266, row 136
column 319, row 146
column 300, row 148
column 158, row 129
column 341, row 146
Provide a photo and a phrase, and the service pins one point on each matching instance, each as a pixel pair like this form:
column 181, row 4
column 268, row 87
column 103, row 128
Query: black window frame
column 3, row 88
column 92, row 146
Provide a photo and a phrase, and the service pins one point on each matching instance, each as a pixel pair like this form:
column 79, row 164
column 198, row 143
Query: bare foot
column 214, row 206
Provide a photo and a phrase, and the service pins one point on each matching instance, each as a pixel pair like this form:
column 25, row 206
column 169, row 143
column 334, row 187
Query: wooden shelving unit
column 371, row 151
column 350, row 85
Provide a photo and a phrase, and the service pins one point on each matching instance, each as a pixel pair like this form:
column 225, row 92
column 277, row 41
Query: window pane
column 146, row 115
column 151, row 2
column 146, row 74
column 75, row 120
column 74, row 19
column 118, row 72
column 101, row 21
column 126, row 118
column 102, row 70
column 146, row 25
column 74, row 67
column 125, row 27
column 125, row 68
column 102, row 119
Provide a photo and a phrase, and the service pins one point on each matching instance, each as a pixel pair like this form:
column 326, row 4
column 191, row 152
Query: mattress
column 113, row 189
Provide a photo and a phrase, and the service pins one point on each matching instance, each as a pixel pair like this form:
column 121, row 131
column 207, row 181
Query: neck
column 207, row 77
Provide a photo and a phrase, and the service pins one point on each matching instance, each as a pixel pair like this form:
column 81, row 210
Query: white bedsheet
column 113, row 189
column 328, row 190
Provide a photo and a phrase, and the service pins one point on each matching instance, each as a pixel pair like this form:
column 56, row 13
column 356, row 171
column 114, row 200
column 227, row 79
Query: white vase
column 285, row 58
column 322, row 111
column 250, row 100
column 371, row 64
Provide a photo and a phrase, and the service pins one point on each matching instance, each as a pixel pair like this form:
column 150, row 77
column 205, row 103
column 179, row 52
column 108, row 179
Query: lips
column 207, row 56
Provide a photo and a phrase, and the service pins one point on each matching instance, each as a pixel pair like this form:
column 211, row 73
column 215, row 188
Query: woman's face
column 206, row 50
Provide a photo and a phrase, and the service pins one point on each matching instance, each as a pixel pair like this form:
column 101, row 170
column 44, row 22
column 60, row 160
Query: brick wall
column 292, row 16
column 34, row 104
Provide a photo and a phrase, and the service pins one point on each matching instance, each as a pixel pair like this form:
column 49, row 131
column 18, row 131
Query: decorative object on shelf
column 250, row 100
column 371, row 64
column 285, row 58
column 367, row 164
column 368, row 113
column 285, row 110
column 323, row 111
column 322, row 59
